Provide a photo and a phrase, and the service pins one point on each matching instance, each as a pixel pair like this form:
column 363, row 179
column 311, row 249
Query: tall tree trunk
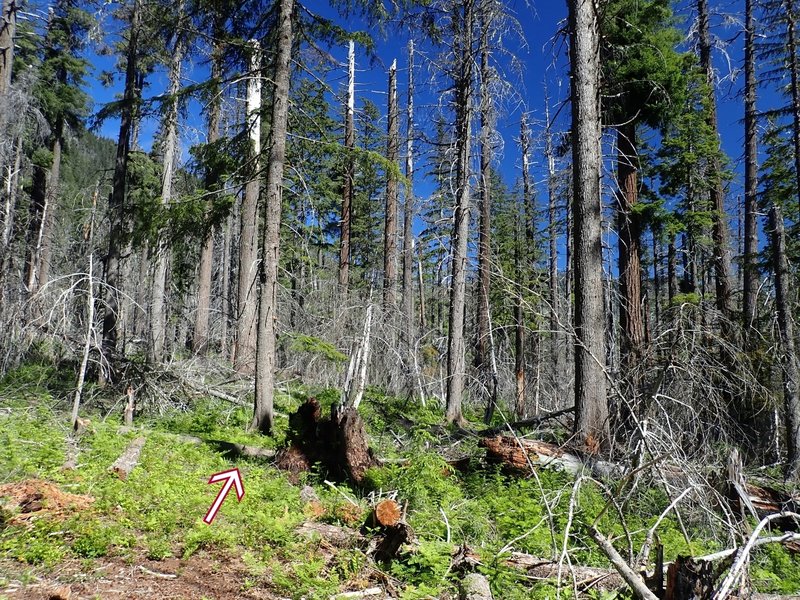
column 11, row 189
column 201, row 315
column 630, row 273
column 520, row 272
column 552, row 232
column 629, row 249
column 37, row 215
column 791, row 368
column 158, row 313
column 8, row 25
column 48, row 223
column 245, row 354
column 390, row 222
column 456, row 359
column 349, row 173
column 482, row 363
column 672, row 270
column 409, row 329
column 591, row 409
column 267, row 306
column 794, row 69
column 750, row 276
column 225, row 295
column 722, row 252
column 116, row 204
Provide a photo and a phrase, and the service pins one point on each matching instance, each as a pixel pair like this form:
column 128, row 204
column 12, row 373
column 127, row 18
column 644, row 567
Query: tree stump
column 387, row 513
column 394, row 537
column 688, row 579
column 339, row 443
column 355, row 455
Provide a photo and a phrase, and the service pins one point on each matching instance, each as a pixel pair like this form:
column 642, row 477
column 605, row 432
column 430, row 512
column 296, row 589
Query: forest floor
column 83, row 532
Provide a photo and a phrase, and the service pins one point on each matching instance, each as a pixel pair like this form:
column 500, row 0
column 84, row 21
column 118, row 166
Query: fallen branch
column 744, row 554
column 144, row 569
column 533, row 421
column 373, row 591
column 128, row 459
column 637, row 585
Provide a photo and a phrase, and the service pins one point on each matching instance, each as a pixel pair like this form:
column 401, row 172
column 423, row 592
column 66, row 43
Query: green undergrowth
column 157, row 512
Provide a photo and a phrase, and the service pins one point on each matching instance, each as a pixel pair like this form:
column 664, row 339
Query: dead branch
column 744, row 553
column 633, row 580
column 532, row 422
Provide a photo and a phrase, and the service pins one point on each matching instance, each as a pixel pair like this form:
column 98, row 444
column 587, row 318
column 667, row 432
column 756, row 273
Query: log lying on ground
column 71, row 455
column 342, row 537
column 520, row 454
column 128, row 459
column 475, row 587
column 585, row 577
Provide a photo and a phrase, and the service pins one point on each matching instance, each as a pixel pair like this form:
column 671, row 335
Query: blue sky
column 543, row 57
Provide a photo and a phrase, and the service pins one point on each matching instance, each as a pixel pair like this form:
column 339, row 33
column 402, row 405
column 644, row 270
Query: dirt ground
column 200, row 576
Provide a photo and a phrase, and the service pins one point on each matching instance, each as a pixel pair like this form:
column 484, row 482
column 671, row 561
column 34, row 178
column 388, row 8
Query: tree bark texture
column 721, row 236
column 794, row 70
column 116, row 208
column 268, row 300
column 591, row 423
column 349, row 173
column 750, row 267
column 201, row 317
column 485, row 224
column 464, row 23
column 390, row 218
column 8, row 24
column 791, row 368
column 409, row 328
column 158, row 312
column 629, row 249
column 245, row 354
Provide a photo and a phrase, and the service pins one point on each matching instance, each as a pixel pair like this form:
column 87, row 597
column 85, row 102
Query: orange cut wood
column 387, row 513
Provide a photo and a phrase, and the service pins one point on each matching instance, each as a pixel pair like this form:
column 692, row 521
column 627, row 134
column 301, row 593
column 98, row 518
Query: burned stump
column 339, row 443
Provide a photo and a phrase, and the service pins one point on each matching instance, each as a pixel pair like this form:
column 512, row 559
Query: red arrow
column 231, row 477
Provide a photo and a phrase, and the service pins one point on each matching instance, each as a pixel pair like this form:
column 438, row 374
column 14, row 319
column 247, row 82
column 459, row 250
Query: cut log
column 585, row 577
column 128, row 459
column 521, row 455
column 475, row 587
column 71, row 455
column 342, row 537
column 387, row 513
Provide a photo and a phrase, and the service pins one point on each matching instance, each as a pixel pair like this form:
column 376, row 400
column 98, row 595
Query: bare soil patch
column 203, row 575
